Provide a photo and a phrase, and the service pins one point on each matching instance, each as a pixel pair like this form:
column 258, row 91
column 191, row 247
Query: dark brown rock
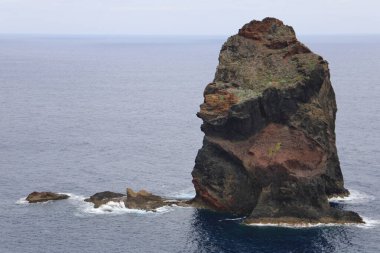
column 269, row 121
column 143, row 200
column 102, row 198
column 35, row 197
column 147, row 201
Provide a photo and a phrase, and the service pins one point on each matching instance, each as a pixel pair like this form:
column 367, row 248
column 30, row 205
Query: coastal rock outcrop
column 142, row 200
column 269, row 121
column 35, row 197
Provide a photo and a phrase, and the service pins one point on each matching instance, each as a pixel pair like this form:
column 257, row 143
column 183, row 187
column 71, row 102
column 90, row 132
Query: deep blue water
column 86, row 114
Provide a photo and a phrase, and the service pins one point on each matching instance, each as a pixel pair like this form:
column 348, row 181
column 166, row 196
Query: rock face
column 35, row 197
column 269, row 122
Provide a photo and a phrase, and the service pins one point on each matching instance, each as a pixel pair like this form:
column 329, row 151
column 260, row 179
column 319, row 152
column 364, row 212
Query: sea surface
column 80, row 115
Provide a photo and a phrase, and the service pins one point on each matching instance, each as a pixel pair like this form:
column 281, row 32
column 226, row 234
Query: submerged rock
column 35, row 197
column 269, row 121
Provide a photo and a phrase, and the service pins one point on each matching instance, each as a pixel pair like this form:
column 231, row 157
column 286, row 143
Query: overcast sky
column 185, row 17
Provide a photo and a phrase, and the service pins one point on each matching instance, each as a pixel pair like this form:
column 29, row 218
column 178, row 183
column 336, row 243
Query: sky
column 185, row 17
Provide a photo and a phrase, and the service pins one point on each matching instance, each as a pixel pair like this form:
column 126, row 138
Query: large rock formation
column 269, row 118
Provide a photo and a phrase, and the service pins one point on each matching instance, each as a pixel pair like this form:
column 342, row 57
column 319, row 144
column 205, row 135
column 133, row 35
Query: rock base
column 337, row 217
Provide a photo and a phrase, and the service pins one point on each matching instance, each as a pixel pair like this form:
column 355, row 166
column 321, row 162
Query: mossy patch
column 274, row 150
column 244, row 94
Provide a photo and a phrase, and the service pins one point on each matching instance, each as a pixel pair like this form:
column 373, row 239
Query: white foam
column 301, row 225
column 114, row 207
column 369, row 223
column 22, row 201
column 110, row 208
column 355, row 197
column 74, row 197
column 165, row 209
column 233, row 219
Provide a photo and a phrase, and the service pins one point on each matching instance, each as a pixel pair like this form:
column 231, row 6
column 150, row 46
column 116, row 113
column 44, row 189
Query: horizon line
column 174, row 35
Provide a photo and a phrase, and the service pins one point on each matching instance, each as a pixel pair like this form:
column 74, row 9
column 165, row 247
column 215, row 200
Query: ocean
column 84, row 114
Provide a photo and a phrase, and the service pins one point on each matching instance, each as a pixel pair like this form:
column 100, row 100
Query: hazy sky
column 185, row 17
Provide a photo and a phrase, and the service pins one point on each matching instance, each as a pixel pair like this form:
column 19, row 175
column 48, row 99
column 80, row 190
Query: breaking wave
column 111, row 208
column 118, row 208
column 22, row 201
column 355, row 197
column 369, row 223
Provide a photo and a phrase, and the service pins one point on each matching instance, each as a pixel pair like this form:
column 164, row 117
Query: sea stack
column 269, row 149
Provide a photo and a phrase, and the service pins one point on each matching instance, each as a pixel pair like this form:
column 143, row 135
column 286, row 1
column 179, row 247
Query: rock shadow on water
column 217, row 232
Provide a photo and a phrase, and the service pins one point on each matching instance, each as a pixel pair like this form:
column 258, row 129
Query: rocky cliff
column 269, row 121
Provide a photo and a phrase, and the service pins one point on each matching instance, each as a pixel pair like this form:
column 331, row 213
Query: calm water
column 83, row 115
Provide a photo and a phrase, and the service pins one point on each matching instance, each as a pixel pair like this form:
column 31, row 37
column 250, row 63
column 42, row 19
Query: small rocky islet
column 269, row 150
column 37, row 197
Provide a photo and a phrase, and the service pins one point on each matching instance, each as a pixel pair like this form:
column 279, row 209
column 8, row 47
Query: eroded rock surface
column 269, row 121
column 35, row 197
